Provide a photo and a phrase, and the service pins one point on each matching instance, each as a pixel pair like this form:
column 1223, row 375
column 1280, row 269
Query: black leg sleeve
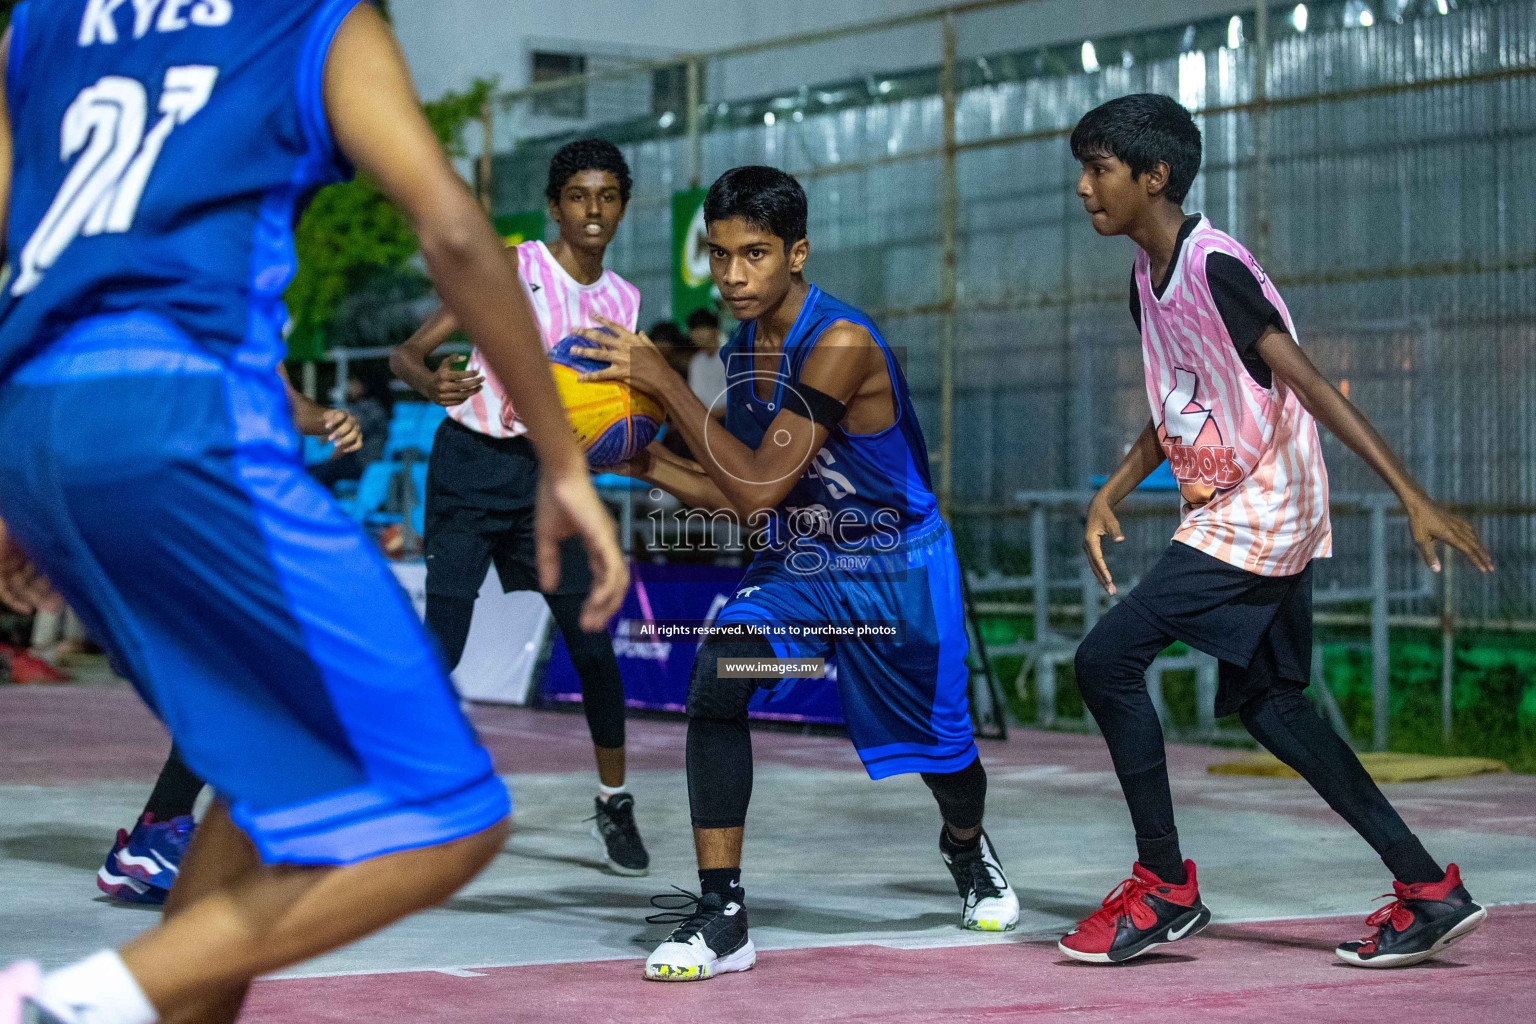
column 962, row 795
column 448, row 620
column 1283, row 719
column 175, row 791
column 602, row 689
column 719, row 742
column 1111, row 669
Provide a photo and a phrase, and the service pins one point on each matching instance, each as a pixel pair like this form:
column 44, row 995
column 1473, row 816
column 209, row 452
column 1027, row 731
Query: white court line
column 917, row 943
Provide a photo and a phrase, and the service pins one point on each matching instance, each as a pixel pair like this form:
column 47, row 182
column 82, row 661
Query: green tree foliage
column 352, row 235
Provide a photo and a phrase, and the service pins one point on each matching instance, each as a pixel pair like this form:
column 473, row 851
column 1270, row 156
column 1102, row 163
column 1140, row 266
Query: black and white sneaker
column 990, row 904
column 615, row 829
column 710, row 938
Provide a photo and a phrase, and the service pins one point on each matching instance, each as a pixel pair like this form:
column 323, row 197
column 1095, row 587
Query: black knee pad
column 710, row 695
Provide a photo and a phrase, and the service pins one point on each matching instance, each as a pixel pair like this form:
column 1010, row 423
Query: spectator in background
column 706, row 373
column 673, row 344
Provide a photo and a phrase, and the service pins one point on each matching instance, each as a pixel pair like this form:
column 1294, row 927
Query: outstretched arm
column 1426, row 518
column 378, row 123
column 752, row 480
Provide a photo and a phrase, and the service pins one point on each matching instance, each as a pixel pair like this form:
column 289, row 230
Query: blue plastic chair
column 372, row 489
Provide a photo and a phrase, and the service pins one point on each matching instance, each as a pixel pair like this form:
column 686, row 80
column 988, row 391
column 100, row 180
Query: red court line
column 1271, row 972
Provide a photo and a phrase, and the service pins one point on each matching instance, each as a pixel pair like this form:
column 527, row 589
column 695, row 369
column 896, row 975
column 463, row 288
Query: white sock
column 97, row 990
column 609, row 792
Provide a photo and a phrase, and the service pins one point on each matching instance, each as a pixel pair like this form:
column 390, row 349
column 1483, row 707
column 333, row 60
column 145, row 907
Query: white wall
column 452, row 42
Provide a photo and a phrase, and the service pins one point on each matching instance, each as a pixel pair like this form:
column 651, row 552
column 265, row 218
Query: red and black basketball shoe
column 1141, row 913
column 1421, row 920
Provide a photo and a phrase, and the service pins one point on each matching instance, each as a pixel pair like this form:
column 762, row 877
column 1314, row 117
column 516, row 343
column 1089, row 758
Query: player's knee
column 1094, row 665
column 715, row 694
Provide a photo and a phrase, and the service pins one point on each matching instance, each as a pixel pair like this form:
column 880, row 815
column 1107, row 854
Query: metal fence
column 1382, row 173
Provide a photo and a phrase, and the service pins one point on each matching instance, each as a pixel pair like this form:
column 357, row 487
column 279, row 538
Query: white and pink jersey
column 1248, row 458
column 562, row 305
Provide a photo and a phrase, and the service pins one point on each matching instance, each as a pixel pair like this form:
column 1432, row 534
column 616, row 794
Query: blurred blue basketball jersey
column 861, row 490
column 163, row 149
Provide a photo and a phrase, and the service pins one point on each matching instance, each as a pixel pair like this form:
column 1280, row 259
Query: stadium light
column 1235, row 33
column 1090, row 57
column 1443, row 6
column 1367, row 19
column 667, row 120
column 1299, row 17
column 768, row 119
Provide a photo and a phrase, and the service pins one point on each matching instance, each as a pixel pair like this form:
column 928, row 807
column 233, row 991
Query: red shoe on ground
column 1421, row 920
column 28, row 668
column 1141, row 913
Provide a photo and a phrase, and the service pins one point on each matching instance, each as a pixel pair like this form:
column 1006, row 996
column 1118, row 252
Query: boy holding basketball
column 1235, row 406
column 482, row 477
column 820, row 448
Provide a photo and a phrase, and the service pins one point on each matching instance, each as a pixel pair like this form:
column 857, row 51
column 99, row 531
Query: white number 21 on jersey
column 105, row 126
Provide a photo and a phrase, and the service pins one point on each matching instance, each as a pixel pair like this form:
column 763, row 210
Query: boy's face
column 751, row 266
column 705, row 337
column 1113, row 197
column 589, row 210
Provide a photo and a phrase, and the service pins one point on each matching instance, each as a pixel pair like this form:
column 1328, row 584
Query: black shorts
column 1258, row 627
column 480, row 501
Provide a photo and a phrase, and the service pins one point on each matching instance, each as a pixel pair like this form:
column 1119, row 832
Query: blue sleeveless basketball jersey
column 163, row 151
column 861, row 490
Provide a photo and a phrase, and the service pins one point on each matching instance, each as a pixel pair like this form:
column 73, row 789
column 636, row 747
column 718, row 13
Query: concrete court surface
column 854, row 914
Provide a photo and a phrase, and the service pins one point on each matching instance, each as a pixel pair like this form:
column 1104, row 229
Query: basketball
column 613, row 421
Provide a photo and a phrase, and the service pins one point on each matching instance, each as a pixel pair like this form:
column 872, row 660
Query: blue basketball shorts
column 160, row 490
column 894, row 623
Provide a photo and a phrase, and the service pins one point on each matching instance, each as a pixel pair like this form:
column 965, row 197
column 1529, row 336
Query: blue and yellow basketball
column 613, row 421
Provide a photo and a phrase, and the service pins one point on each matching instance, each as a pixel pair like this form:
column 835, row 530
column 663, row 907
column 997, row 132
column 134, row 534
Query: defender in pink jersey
column 482, row 478
column 1235, row 406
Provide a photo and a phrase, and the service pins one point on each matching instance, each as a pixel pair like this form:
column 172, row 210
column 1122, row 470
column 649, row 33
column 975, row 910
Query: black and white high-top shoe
column 710, row 938
column 990, row 904
column 615, row 829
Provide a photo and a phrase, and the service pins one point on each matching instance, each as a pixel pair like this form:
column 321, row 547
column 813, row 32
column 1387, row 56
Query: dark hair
column 765, row 197
column 1142, row 131
column 588, row 155
column 703, row 318
column 665, row 332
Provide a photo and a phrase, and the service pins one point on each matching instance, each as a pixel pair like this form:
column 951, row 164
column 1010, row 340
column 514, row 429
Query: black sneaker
column 614, row 827
column 990, row 904
column 710, row 938
column 1421, row 920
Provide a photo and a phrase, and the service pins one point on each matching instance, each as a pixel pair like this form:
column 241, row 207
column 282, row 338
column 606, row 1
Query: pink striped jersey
column 562, row 305
column 1247, row 457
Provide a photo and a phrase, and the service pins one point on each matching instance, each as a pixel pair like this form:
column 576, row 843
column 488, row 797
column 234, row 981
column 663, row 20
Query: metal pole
column 310, row 382
column 487, row 147
column 949, row 214
column 695, row 122
column 1261, row 118
column 1040, row 575
column 1447, row 646
column 1381, row 696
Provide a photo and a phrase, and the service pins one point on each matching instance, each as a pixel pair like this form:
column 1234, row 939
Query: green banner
column 692, row 286
column 517, row 228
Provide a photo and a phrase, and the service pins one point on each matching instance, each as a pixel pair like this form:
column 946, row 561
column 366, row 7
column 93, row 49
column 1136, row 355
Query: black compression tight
column 602, row 689
column 175, row 791
column 1111, row 673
